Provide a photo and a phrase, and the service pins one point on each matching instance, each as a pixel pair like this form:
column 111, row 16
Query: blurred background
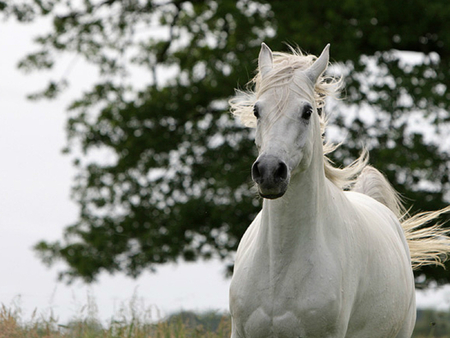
column 35, row 204
column 122, row 171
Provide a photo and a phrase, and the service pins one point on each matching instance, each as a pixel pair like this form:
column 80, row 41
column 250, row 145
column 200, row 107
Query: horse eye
column 256, row 111
column 307, row 112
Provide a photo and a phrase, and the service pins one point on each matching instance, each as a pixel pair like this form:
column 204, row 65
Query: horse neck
column 295, row 217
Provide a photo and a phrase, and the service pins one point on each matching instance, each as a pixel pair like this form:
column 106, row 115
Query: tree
column 179, row 184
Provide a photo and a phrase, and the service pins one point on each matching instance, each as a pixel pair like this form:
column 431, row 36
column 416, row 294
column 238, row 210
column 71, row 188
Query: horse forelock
column 285, row 78
column 283, row 73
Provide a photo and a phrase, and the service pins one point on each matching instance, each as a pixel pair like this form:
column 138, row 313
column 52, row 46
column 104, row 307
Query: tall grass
column 130, row 321
column 11, row 326
column 134, row 321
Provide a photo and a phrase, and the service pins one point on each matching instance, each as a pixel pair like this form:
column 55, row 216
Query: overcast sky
column 35, row 180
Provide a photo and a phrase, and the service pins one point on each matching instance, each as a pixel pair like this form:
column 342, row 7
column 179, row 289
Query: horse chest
column 294, row 301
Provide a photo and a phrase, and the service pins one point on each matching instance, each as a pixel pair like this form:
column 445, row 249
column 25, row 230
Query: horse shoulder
column 243, row 281
column 379, row 218
column 386, row 282
column 248, row 237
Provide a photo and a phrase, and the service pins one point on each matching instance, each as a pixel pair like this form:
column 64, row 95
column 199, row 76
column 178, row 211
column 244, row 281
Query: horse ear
column 265, row 60
column 320, row 65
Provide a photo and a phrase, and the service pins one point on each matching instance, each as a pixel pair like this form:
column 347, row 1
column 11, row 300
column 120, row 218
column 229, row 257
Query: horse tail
column 372, row 183
column 428, row 241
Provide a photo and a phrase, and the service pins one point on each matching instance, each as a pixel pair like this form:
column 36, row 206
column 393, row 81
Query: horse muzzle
column 271, row 175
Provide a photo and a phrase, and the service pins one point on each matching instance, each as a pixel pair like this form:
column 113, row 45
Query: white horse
column 319, row 261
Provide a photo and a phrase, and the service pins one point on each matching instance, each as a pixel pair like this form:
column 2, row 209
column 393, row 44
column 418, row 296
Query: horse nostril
column 282, row 172
column 269, row 170
column 256, row 174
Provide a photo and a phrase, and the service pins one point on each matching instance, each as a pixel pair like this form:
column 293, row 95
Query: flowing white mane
column 284, row 67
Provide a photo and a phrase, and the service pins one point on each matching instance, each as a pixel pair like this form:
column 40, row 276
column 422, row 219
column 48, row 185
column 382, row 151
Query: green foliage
column 209, row 321
column 177, row 181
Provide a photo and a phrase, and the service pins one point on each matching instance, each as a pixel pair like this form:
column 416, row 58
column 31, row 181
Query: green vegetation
column 185, row 324
column 178, row 181
column 182, row 325
column 432, row 324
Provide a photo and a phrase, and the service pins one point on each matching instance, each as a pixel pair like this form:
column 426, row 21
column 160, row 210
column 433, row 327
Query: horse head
column 288, row 124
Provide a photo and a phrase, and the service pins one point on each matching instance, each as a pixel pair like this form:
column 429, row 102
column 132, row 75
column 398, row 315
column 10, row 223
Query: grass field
column 132, row 319
column 135, row 323
column 178, row 326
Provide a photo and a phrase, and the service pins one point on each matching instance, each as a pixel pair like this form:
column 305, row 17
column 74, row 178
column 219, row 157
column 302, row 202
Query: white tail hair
column 371, row 182
column 428, row 244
